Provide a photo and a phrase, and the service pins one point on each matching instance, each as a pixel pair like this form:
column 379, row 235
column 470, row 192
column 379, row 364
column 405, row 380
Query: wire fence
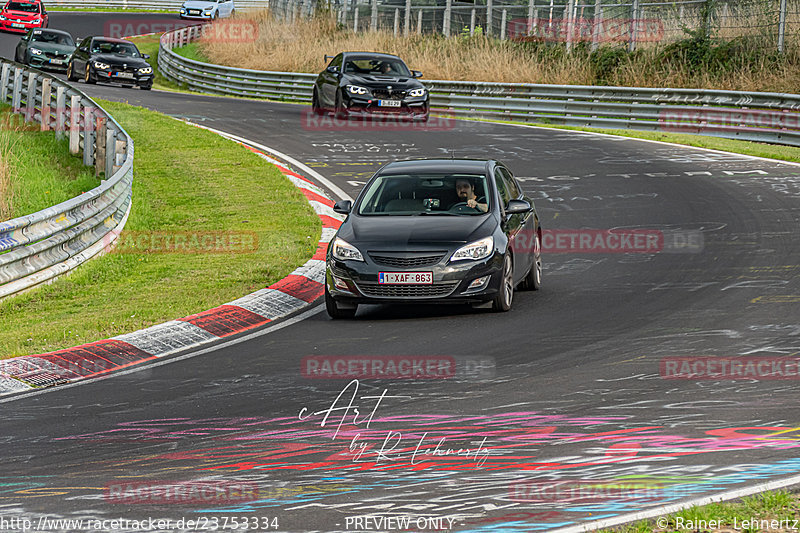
column 771, row 24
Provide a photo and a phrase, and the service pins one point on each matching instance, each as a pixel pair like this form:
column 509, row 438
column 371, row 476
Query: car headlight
column 145, row 70
column 36, row 51
column 345, row 251
column 475, row 250
column 101, row 66
column 36, row 21
column 3, row 18
column 355, row 89
column 417, row 92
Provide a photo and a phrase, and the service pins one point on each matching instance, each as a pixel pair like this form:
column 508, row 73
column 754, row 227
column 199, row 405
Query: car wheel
column 70, row 74
column 145, row 87
column 336, row 312
column 315, row 107
column 505, row 297
column 88, row 77
column 214, row 17
column 533, row 281
column 340, row 111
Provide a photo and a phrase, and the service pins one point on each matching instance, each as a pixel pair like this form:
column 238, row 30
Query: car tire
column 339, row 110
column 533, row 281
column 145, row 87
column 336, row 312
column 88, row 77
column 70, row 73
column 315, row 107
column 505, row 296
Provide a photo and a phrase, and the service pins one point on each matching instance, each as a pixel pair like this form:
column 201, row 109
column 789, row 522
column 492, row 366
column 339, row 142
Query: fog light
column 478, row 283
column 340, row 284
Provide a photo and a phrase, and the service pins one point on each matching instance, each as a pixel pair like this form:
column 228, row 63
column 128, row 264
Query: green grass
column 108, row 10
column 191, row 51
column 186, row 179
column 777, row 505
column 41, row 172
column 148, row 44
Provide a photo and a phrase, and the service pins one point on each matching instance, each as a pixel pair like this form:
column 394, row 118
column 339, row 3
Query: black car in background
column 45, row 48
column 110, row 60
column 365, row 83
column 434, row 231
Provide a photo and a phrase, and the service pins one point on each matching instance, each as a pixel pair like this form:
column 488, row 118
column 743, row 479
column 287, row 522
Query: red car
column 22, row 15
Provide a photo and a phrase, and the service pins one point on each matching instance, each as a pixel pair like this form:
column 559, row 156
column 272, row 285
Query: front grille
column 403, row 262
column 408, row 291
column 383, row 94
column 53, row 55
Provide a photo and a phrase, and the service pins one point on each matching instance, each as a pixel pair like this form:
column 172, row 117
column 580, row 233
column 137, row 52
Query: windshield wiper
column 436, row 213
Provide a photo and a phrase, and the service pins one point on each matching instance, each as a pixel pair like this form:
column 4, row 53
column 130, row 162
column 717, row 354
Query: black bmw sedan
column 110, row 60
column 434, row 231
column 366, row 83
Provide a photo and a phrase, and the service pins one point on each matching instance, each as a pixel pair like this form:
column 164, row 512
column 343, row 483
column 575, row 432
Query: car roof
column 49, row 30
column 436, row 166
column 377, row 55
column 110, row 39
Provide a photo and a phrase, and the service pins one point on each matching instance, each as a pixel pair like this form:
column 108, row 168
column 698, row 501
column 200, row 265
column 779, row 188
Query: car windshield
column 375, row 66
column 108, row 47
column 434, row 194
column 52, row 38
column 23, row 6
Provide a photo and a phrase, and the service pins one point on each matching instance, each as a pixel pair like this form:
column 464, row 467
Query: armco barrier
column 141, row 5
column 749, row 116
column 36, row 248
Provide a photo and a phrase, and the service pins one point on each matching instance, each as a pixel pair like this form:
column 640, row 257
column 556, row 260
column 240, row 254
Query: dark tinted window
column 23, row 6
column 406, row 194
column 109, row 47
column 510, row 182
column 502, row 188
column 44, row 36
column 336, row 61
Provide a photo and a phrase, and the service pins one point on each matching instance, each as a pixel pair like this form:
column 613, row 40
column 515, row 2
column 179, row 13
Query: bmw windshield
column 436, row 194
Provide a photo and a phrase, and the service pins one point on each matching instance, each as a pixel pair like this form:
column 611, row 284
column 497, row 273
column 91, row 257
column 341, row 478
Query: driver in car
column 466, row 193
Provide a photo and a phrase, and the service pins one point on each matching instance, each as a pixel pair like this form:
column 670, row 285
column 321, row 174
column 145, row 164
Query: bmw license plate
column 389, row 103
column 57, row 61
column 405, row 278
column 127, row 75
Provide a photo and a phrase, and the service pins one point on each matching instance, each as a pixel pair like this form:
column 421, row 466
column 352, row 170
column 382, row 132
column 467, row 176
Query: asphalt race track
column 567, row 390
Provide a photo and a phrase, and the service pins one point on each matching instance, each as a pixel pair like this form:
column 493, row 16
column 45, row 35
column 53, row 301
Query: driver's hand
column 472, row 203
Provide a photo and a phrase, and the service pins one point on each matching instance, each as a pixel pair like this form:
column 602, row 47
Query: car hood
column 199, row 4
column 398, row 232
column 379, row 82
column 117, row 60
column 22, row 15
column 52, row 47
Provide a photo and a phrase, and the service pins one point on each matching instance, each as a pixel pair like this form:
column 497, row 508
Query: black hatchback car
column 110, row 60
column 434, row 231
column 367, row 83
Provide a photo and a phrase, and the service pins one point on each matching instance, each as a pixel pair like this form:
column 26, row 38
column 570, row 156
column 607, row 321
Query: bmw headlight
column 344, row 251
column 145, row 70
column 101, row 65
column 475, row 250
column 417, row 92
column 355, row 89
column 36, row 51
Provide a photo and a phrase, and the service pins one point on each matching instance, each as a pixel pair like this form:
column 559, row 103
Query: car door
column 227, row 6
column 81, row 56
column 512, row 224
column 329, row 82
column 22, row 47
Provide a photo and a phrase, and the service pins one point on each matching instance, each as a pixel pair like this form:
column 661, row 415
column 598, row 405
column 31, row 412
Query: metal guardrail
column 749, row 116
column 142, row 5
column 36, row 248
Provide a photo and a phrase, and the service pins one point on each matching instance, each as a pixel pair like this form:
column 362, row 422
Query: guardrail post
column 60, row 112
column 472, row 23
column 16, row 94
column 597, row 24
column 396, row 21
column 100, row 146
column 4, row 82
column 355, row 19
column 44, row 114
column 74, row 124
column 570, row 24
column 531, row 4
column 119, row 153
column 343, row 15
column 634, row 15
column 88, row 137
column 373, row 21
column 781, row 26
column 30, row 99
column 419, row 21
column 407, row 19
column 488, row 30
column 503, row 25
column 448, row 15
column 110, row 150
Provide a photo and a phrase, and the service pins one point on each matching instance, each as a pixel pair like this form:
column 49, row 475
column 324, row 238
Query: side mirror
column 343, row 207
column 145, row 56
column 333, row 70
column 416, row 74
column 518, row 207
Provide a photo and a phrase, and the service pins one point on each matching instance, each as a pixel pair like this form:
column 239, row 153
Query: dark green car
column 45, row 48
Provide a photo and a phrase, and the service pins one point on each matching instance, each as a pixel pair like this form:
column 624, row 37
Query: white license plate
column 127, row 75
column 57, row 61
column 389, row 103
column 15, row 25
column 405, row 278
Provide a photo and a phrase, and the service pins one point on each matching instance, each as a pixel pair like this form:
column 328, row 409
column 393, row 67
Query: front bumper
column 356, row 282
column 7, row 25
column 185, row 14
column 42, row 61
column 112, row 76
column 368, row 105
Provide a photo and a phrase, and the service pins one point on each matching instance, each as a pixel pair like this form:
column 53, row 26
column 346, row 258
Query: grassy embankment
column 186, row 180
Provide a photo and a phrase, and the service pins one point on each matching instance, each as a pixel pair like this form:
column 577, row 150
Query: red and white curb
column 294, row 292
